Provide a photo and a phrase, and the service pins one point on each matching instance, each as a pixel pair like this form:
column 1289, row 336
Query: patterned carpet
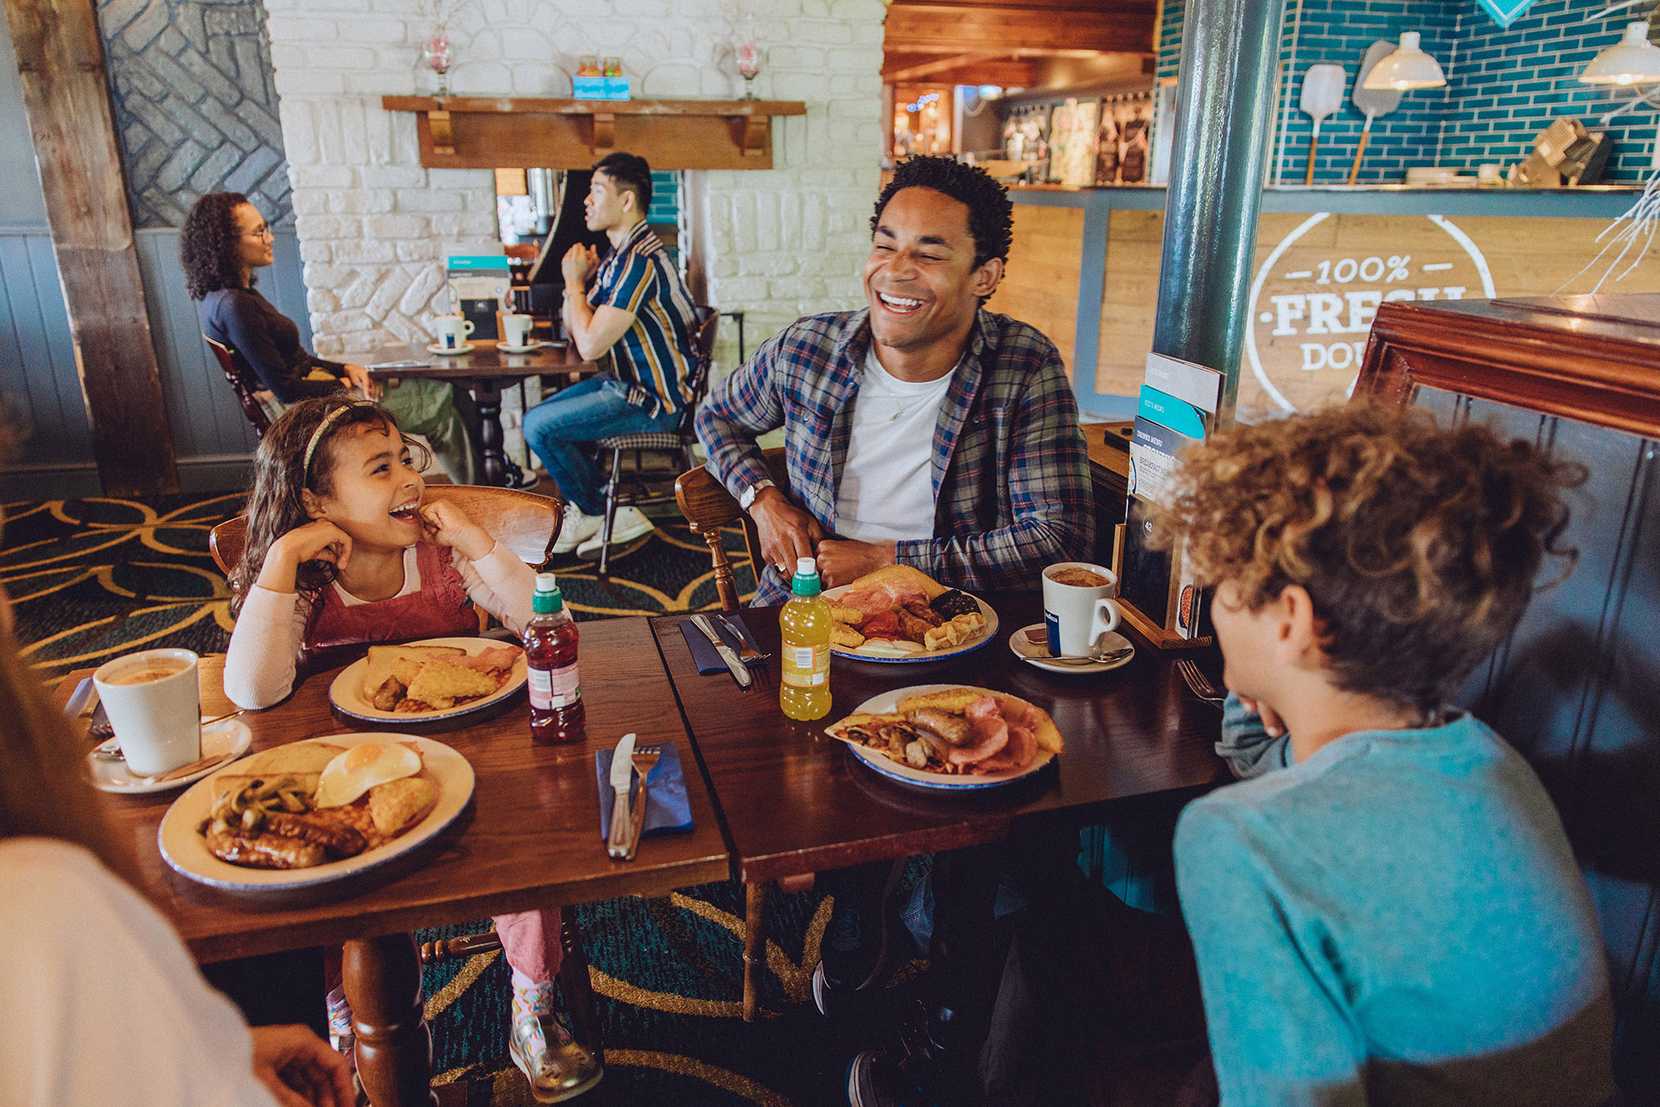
column 96, row 577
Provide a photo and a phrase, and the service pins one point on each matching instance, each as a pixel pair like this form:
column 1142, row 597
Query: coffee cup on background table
column 1078, row 607
column 154, row 704
column 515, row 329
column 452, row 331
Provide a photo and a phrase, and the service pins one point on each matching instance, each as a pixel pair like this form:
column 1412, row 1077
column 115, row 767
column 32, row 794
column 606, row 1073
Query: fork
column 747, row 653
column 1199, row 684
column 644, row 760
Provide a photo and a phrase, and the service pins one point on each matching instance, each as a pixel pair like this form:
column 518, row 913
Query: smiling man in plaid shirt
column 922, row 429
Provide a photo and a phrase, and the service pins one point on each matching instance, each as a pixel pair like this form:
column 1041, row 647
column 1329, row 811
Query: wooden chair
column 526, row 523
column 677, row 443
column 709, row 508
column 248, row 397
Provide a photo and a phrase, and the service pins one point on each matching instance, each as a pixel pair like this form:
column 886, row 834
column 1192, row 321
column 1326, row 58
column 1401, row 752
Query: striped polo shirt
column 654, row 357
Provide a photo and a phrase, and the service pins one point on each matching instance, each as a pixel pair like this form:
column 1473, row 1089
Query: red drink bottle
column 550, row 651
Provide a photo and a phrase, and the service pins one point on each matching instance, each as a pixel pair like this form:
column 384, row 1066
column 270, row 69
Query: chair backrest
column 1574, row 686
column 709, row 507
column 703, row 363
column 251, row 407
column 524, row 522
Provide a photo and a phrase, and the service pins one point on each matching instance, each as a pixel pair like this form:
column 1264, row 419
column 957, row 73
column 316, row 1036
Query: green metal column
column 1224, row 128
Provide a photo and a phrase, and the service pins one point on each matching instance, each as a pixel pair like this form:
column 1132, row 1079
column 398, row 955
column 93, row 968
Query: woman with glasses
column 225, row 239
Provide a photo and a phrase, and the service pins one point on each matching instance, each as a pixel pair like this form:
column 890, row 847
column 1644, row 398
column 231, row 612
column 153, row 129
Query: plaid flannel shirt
column 1010, row 470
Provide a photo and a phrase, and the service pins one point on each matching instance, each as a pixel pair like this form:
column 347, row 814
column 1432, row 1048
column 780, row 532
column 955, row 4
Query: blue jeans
column 586, row 412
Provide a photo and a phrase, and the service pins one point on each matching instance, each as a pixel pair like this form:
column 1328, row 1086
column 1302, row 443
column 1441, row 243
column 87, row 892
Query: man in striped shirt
column 634, row 309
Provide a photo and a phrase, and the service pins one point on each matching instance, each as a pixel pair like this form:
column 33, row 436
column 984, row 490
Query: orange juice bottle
column 804, row 629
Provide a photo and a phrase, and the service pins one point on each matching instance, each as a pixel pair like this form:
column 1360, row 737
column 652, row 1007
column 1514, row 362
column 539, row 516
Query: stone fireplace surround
column 374, row 225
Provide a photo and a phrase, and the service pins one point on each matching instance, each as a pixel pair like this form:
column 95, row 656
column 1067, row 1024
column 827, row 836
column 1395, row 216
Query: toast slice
column 400, row 663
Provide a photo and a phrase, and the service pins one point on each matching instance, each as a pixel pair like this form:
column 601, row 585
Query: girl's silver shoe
column 556, row 1067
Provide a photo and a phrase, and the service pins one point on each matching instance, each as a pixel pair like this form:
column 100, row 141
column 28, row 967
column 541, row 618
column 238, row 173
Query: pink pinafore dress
column 440, row 608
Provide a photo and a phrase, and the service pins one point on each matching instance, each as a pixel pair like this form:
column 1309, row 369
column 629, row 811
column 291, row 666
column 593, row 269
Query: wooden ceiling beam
column 941, row 28
column 913, row 71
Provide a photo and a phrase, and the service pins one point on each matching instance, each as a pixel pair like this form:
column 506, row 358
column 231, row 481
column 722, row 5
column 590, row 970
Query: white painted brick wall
column 374, row 225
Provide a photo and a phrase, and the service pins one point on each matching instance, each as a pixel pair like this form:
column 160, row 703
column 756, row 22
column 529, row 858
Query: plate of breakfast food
column 950, row 737
column 428, row 681
column 899, row 614
column 313, row 812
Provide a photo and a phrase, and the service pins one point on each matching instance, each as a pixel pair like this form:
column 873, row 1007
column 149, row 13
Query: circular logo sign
column 1314, row 298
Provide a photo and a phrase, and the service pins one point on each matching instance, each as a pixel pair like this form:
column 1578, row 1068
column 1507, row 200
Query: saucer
column 464, row 348
column 228, row 736
column 527, row 348
column 1039, row 655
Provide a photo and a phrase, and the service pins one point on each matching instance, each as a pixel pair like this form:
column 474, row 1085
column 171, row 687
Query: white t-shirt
column 102, row 1003
column 887, row 485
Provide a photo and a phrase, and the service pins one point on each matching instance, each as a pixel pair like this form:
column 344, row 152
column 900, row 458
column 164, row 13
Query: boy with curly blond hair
column 1388, row 911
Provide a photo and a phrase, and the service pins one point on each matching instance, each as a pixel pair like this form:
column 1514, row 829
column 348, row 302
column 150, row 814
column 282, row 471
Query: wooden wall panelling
column 1574, row 686
column 1523, row 257
column 66, row 95
column 37, row 364
column 1041, row 283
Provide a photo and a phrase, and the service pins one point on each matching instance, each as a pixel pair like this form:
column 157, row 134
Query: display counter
column 1084, row 268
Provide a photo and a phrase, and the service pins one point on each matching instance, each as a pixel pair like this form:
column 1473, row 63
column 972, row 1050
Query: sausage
column 338, row 839
column 953, row 728
column 264, row 851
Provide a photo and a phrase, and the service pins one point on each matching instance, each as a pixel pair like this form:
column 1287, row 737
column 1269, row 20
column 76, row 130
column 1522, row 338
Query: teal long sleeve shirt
column 1397, row 920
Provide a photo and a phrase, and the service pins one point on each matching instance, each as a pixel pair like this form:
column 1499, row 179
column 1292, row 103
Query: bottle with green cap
column 804, row 627
column 556, row 711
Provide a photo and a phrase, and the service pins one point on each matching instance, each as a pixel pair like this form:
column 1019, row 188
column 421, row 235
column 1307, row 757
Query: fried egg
column 360, row 768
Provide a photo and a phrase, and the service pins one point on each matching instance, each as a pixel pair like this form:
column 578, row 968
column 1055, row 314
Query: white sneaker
column 576, row 529
column 631, row 523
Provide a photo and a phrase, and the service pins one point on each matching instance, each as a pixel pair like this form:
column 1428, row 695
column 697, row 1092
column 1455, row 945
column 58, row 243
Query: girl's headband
column 317, row 436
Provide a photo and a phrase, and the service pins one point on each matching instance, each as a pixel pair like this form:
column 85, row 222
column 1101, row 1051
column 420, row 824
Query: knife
column 739, row 672
column 622, row 777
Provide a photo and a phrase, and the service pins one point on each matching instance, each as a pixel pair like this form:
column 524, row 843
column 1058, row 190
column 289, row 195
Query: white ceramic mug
column 153, row 703
column 515, row 329
column 452, row 331
column 1077, row 615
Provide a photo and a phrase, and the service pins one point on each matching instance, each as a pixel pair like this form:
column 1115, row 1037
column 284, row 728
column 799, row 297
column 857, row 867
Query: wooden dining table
column 529, row 838
column 485, row 371
column 793, row 801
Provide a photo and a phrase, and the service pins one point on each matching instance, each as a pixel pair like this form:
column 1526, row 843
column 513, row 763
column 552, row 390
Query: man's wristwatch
column 747, row 496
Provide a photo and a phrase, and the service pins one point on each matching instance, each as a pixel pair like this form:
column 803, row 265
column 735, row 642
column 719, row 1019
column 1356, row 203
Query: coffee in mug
column 1078, row 607
column 515, row 329
column 1080, row 578
column 452, row 331
column 154, row 672
column 153, row 703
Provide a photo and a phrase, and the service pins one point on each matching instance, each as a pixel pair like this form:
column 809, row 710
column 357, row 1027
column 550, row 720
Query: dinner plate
column 186, row 852
column 1037, row 655
column 464, row 348
column 225, row 738
column 886, row 655
column 346, row 693
column 922, row 778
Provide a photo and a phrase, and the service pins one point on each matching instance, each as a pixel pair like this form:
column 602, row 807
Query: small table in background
column 484, row 371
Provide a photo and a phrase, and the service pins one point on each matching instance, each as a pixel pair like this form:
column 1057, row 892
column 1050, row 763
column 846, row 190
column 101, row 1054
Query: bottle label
column 552, row 688
column 806, row 666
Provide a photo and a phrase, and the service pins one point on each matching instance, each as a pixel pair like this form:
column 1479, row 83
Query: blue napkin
column 703, row 654
column 667, row 806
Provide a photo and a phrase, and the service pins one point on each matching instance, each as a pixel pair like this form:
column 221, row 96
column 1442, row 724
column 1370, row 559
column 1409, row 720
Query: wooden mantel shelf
column 483, row 132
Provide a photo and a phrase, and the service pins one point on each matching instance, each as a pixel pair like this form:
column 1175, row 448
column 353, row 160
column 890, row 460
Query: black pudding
column 948, row 605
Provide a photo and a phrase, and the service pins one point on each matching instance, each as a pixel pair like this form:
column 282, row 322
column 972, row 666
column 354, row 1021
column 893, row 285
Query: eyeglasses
column 260, row 232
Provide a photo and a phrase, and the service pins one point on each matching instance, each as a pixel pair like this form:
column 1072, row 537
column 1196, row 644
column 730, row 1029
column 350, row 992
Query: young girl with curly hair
column 343, row 549
column 224, row 240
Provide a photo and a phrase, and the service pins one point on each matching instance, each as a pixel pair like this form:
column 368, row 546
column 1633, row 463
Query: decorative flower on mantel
column 435, row 55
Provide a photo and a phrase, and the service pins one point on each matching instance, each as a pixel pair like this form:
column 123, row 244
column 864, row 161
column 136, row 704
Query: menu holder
column 1158, row 592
